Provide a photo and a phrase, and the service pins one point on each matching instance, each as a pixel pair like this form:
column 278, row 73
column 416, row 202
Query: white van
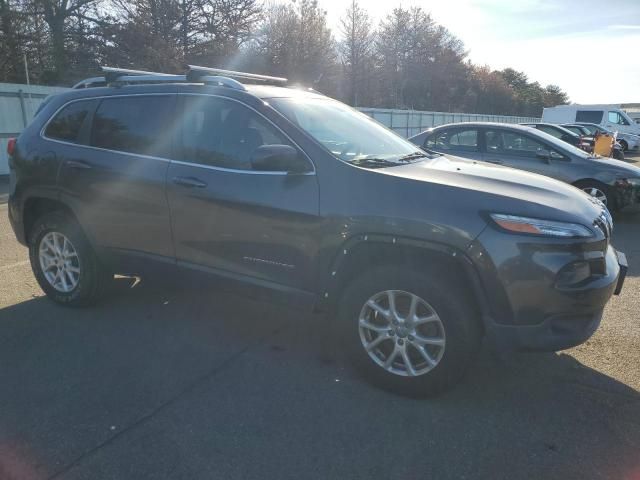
column 611, row 117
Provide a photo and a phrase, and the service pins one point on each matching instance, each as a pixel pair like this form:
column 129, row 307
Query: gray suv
column 614, row 183
column 413, row 257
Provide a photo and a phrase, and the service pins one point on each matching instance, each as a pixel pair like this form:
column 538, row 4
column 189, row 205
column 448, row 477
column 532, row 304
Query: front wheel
column 407, row 331
column 64, row 263
column 599, row 191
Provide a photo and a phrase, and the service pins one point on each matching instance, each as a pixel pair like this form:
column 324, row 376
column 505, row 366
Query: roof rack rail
column 195, row 72
column 111, row 74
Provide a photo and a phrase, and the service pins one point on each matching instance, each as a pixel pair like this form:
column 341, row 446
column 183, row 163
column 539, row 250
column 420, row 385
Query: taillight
column 11, row 146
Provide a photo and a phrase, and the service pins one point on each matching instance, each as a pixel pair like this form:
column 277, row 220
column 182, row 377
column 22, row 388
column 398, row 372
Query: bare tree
column 295, row 41
column 57, row 15
column 356, row 52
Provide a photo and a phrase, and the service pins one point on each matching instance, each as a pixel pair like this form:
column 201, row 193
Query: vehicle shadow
column 192, row 369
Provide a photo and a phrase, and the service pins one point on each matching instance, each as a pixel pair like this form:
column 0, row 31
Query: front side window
column 513, row 143
column 615, row 117
column 67, row 124
column 348, row 134
column 223, row 133
column 136, row 124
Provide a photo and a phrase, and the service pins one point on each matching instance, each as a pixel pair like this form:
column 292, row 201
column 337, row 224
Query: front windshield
column 348, row 134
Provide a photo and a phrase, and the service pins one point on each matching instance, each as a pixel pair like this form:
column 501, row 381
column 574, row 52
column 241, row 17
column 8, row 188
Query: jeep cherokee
column 415, row 256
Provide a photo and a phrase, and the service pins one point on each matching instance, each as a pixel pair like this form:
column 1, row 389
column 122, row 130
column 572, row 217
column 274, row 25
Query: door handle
column 78, row 164
column 189, row 182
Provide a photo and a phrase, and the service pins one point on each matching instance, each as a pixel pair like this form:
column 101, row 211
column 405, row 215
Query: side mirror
column 278, row 158
column 544, row 155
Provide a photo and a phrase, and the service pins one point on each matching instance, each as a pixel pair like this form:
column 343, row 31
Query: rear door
column 458, row 141
column 518, row 150
column 115, row 181
column 230, row 218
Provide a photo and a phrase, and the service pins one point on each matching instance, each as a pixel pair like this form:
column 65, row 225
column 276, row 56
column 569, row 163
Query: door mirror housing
column 544, row 155
column 278, row 158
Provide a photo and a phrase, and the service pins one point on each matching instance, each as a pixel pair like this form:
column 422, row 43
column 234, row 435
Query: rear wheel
column 407, row 331
column 624, row 145
column 64, row 263
column 618, row 154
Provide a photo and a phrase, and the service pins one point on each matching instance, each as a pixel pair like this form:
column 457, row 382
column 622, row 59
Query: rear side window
column 141, row 125
column 465, row 140
column 589, row 116
column 551, row 131
column 68, row 122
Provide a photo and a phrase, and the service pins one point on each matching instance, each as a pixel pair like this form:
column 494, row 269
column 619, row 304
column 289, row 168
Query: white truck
column 612, row 117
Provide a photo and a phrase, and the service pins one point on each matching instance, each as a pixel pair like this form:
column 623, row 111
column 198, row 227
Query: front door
column 231, row 218
column 518, row 150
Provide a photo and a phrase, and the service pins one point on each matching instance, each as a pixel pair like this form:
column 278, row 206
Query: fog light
column 573, row 273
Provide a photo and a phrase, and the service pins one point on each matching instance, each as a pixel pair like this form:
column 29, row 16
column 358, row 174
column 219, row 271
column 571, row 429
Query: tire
column 618, row 154
column 85, row 280
column 593, row 187
column 457, row 326
column 624, row 145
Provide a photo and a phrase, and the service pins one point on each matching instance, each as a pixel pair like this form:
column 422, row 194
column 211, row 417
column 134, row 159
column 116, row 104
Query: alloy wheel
column 59, row 262
column 401, row 333
column 596, row 193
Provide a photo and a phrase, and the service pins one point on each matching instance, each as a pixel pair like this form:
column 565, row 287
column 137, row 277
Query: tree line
column 406, row 60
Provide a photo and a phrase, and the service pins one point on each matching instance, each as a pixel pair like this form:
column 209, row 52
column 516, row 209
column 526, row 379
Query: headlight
column 536, row 226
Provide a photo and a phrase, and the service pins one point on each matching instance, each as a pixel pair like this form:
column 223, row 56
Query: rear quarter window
column 67, row 124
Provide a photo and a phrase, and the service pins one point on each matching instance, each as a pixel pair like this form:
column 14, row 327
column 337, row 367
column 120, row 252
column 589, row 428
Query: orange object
column 603, row 145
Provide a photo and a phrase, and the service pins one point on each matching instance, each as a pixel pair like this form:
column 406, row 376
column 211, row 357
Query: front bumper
column 528, row 308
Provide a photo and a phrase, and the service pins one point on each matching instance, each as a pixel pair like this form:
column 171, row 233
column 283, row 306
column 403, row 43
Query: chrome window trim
column 179, row 162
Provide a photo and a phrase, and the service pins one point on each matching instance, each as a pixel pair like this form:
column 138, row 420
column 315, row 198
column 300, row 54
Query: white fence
column 411, row 122
column 18, row 104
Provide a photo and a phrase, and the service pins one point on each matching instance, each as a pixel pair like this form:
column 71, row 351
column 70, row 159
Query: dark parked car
column 578, row 129
column 583, row 143
column 414, row 257
column 584, row 132
column 627, row 141
column 615, row 183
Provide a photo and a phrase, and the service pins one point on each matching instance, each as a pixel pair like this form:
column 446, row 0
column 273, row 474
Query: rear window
column 589, row 116
column 140, row 125
column 68, row 122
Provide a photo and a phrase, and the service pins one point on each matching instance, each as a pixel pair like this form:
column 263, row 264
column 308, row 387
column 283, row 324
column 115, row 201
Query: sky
column 590, row 48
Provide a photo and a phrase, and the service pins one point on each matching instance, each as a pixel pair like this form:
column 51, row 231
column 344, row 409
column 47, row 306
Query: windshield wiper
column 413, row 156
column 372, row 162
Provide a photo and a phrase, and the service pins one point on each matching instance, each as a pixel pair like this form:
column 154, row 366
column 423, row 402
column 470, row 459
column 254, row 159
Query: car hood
column 620, row 168
column 502, row 189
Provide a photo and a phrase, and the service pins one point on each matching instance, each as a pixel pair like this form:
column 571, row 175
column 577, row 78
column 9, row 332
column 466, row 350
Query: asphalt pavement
column 177, row 383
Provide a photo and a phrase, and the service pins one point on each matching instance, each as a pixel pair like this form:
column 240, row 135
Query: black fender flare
column 330, row 281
